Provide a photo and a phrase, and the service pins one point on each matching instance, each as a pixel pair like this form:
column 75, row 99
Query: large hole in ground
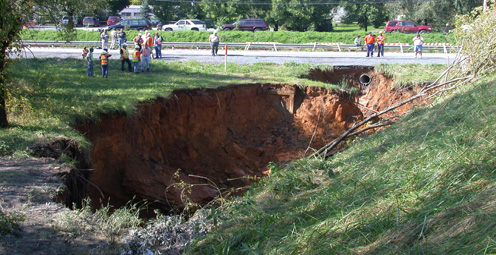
column 187, row 147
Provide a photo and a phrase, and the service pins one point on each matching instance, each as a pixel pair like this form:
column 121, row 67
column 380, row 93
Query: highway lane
column 256, row 56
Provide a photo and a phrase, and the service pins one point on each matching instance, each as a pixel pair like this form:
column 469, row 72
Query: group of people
column 143, row 45
column 371, row 40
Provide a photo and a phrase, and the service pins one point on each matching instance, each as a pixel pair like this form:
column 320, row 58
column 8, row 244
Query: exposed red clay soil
column 222, row 136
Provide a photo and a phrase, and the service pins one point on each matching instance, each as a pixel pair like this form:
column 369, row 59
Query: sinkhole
column 197, row 143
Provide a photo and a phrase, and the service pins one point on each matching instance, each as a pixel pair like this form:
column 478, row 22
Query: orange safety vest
column 369, row 39
column 125, row 53
column 103, row 59
column 381, row 39
column 149, row 41
column 136, row 56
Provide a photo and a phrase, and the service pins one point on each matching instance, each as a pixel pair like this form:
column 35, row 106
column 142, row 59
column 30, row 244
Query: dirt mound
column 197, row 143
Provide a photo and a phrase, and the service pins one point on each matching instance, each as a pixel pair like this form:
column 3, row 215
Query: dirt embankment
column 210, row 136
column 191, row 146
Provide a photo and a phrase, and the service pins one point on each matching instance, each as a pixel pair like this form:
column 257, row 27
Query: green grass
column 346, row 37
column 49, row 95
column 426, row 185
column 410, row 74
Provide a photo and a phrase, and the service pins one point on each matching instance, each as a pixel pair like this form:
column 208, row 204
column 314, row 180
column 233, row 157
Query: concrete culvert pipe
column 365, row 79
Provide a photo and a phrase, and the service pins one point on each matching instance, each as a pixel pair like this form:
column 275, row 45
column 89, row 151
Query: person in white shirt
column 417, row 42
column 214, row 42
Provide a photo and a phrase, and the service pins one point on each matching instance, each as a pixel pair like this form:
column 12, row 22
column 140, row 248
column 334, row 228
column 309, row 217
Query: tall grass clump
column 107, row 222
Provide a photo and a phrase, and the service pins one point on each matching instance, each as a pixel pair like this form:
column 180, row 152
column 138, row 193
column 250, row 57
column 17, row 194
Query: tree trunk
column 3, row 89
column 3, row 110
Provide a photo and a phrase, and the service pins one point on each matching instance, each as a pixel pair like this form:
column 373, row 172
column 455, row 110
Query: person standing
column 105, row 37
column 136, row 58
column 113, row 37
column 89, row 59
column 125, row 57
column 122, row 37
column 380, row 44
column 158, row 45
column 148, row 40
column 418, row 41
column 146, row 54
column 214, row 43
column 138, row 40
column 85, row 52
column 104, row 61
column 358, row 41
column 370, row 41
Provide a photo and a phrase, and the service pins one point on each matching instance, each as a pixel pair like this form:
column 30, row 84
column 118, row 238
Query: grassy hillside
column 425, row 185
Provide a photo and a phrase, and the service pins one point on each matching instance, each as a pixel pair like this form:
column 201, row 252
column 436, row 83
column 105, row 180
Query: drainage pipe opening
column 365, row 79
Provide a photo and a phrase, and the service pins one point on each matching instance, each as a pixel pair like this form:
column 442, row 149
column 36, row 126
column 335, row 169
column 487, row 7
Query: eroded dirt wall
column 220, row 136
column 373, row 97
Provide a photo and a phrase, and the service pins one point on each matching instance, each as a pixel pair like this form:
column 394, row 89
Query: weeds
column 106, row 221
column 168, row 234
column 9, row 222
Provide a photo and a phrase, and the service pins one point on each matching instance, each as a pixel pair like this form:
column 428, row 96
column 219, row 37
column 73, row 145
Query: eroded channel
column 215, row 139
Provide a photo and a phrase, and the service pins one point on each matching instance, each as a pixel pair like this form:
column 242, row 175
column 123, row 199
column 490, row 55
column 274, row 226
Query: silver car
column 186, row 24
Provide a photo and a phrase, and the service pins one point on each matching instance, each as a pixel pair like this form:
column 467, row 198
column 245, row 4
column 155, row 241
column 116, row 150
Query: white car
column 186, row 24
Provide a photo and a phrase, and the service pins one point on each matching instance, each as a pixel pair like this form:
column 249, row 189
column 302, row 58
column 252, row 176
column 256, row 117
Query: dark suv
column 406, row 26
column 139, row 24
column 254, row 25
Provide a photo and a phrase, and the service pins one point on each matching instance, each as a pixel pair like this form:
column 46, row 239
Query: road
column 255, row 56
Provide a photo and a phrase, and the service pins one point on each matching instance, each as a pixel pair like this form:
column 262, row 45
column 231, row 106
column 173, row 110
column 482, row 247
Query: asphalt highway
column 254, row 56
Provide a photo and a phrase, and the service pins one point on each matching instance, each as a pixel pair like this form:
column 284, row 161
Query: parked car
column 186, row 24
column 139, row 24
column 90, row 21
column 254, row 25
column 112, row 20
column 30, row 23
column 406, row 26
column 65, row 20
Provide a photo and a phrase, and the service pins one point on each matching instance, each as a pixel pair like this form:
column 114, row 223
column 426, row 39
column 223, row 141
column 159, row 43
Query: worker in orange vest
column 370, row 41
column 136, row 58
column 380, row 44
column 104, row 59
column 147, row 40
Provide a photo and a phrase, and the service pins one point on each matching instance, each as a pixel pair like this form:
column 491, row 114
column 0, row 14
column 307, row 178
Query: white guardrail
column 445, row 47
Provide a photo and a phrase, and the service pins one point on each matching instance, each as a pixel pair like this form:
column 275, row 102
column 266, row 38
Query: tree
column 436, row 13
column 164, row 11
column 145, row 10
column 117, row 5
column 70, row 8
column 301, row 15
column 12, row 13
column 366, row 14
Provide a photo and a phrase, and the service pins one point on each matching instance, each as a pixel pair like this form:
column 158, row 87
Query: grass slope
column 425, row 185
